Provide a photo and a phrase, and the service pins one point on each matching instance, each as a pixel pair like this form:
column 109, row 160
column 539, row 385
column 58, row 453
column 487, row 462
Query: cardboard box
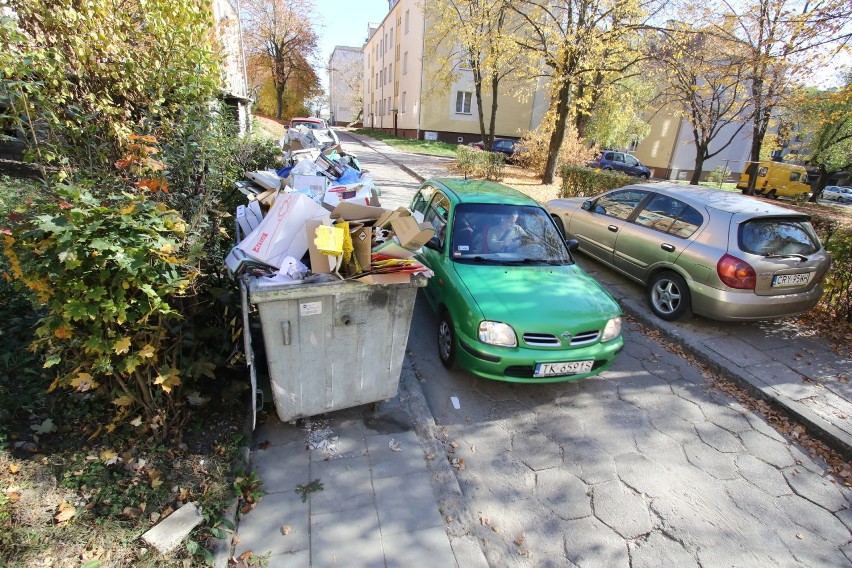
column 361, row 236
column 357, row 212
column 282, row 231
column 410, row 234
column 393, row 248
column 385, row 220
column 320, row 263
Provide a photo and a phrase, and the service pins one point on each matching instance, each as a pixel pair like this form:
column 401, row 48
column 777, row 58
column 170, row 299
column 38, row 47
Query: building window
column 390, row 72
column 391, row 38
column 633, row 145
column 405, row 63
column 463, row 99
column 406, row 21
column 402, row 103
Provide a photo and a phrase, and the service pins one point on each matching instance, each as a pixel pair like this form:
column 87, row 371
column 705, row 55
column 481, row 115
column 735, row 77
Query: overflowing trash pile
column 320, row 215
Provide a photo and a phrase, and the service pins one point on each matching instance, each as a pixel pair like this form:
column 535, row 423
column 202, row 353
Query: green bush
column 477, row 163
column 104, row 268
column 585, row 182
column 836, row 300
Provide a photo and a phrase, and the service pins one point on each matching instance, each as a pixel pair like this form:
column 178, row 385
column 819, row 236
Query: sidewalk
column 771, row 360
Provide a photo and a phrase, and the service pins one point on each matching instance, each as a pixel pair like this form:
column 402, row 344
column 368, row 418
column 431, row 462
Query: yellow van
column 777, row 179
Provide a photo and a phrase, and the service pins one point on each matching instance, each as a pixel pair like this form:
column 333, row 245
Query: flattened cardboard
column 410, row 234
column 361, row 236
column 316, row 184
column 389, row 216
column 356, row 212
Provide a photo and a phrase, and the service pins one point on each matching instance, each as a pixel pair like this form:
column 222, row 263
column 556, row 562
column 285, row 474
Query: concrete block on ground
column 170, row 532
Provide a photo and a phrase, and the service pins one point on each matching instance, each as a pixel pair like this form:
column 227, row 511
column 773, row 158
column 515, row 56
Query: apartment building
column 345, row 79
column 399, row 98
column 228, row 32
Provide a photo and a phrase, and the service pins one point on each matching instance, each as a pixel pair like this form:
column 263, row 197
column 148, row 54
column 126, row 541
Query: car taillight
column 736, row 273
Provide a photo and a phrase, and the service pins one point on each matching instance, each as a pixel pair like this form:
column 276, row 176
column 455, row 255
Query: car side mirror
column 433, row 244
column 573, row 245
column 587, row 205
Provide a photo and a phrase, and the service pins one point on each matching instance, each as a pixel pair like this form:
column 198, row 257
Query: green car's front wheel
column 446, row 340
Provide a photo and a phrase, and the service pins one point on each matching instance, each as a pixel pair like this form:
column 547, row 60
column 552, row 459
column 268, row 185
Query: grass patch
column 429, row 147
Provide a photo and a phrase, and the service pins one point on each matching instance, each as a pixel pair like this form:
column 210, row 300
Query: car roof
column 718, row 199
column 481, row 191
column 307, row 119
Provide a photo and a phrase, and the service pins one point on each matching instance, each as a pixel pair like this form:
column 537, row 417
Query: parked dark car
column 622, row 162
column 715, row 253
column 505, row 146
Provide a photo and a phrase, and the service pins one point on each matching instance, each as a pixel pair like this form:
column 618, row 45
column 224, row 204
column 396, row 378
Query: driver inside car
column 507, row 236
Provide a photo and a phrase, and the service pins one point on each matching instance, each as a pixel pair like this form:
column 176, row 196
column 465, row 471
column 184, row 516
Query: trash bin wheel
column 446, row 340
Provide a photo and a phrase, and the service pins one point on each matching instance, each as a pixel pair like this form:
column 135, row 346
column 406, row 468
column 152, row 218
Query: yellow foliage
column 62, row 332
column 121, row 346
column 84, row 382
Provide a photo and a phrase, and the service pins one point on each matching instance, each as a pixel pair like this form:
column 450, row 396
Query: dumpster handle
column 285, row 328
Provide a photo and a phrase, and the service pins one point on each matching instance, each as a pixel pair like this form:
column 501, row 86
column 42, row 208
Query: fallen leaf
column 430, row 456
column 520, row 540
column 285, row 530
column 394, row 445
column 132, row 512
column 484, row 520
column 65, row 514
column 14, row 468
column 264, row 445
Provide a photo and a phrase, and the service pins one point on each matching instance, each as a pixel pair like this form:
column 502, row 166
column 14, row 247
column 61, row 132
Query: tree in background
column 703, row 79
column 474, row 35
column 296, row 98
column 826, row 124
column 782, row 41
column 281, row 43
column 619, row 116
column 586, row 47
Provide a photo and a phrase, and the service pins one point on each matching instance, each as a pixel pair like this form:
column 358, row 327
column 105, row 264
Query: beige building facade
column 399, row 99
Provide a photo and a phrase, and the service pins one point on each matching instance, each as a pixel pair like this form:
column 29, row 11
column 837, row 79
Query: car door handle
column 613, row 228
column 667, row 247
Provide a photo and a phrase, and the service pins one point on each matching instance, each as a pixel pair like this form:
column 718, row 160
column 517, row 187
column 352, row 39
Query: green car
column 512, row 304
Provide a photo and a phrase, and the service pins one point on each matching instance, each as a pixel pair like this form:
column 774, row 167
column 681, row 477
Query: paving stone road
column 643, row 466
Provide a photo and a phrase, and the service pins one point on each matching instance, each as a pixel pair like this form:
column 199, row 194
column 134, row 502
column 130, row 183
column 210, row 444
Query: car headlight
column 612, row 329
column 496, row 333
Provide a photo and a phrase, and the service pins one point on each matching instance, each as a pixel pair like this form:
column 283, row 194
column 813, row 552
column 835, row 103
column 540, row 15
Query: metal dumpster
column 332, row 345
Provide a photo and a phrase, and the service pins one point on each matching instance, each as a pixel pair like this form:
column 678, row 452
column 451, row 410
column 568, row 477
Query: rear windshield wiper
column 548, row 261
column 801, row 257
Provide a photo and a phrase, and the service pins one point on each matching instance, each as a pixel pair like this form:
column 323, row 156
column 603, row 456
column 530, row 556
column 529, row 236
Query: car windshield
column 499, row 233
column 778, row 236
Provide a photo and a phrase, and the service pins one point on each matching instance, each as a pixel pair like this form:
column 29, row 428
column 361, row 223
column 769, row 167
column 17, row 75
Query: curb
column 451, row 501
column 817, row 427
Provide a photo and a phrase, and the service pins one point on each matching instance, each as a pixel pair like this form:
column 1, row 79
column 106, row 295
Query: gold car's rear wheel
column 668, row 296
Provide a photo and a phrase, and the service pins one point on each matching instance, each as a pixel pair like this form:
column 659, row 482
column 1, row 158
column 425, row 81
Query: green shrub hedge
column 477, row 163
column 836, row 301
column 585, row 182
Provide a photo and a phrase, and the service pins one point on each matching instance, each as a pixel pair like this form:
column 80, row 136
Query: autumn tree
column 281, row 43
column 585, row 48
column 703, row 79
column 473, row 35
column 782, row 41
column 825, row 123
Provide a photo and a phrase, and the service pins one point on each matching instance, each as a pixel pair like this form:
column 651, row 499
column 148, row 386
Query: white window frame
column 463, row 97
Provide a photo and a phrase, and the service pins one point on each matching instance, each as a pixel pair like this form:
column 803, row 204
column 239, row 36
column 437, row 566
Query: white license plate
column 791, row 280
column 565, row 368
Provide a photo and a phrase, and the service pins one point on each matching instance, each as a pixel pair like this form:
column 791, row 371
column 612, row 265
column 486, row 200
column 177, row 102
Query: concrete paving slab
column 281, row 467
column 737, row 351
column 430, row 546
column 347, row 538
column 567, row 496
column 656, row 550
column 621, row 509
column 260, row 529
column 387, row 461
column 819, row 489
column 406, row 504
column 347, row 484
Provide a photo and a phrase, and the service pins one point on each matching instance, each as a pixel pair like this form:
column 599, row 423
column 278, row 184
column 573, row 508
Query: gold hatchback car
column 698, row 250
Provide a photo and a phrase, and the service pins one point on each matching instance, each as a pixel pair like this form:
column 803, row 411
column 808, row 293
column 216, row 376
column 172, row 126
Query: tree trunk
column 819, row 185
column 279, row 101
column 699, row 166
column 558, row 134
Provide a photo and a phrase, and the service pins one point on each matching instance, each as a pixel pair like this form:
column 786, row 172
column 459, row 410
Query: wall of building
column 345, row 67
